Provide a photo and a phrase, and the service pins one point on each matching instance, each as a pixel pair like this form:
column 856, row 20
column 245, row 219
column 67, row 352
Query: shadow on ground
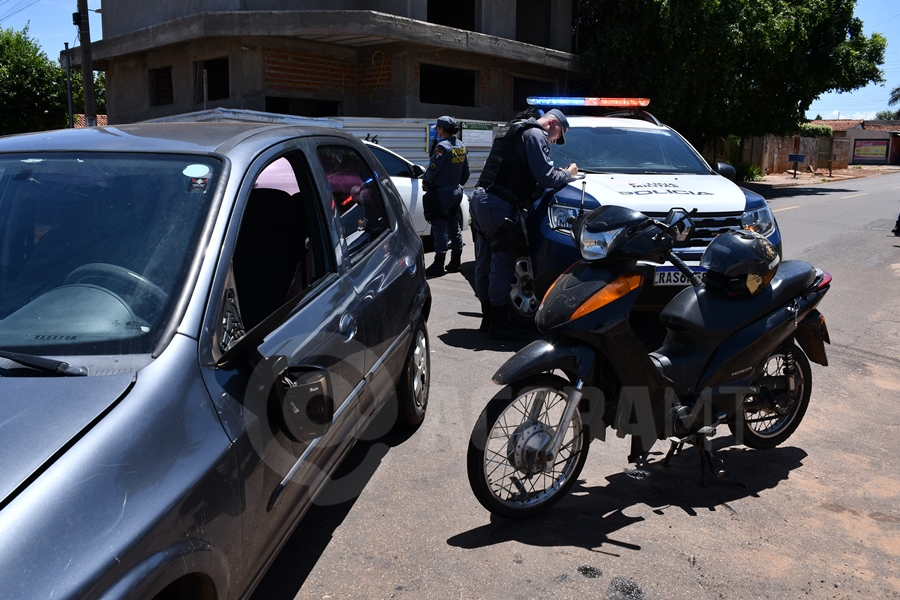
column 589, row 516
column 304, row 548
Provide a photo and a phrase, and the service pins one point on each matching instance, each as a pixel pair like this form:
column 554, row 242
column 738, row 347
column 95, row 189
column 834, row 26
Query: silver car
column 197, row 320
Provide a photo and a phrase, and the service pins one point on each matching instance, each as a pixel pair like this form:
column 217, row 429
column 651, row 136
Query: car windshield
column 95, row 248
column 627, row 150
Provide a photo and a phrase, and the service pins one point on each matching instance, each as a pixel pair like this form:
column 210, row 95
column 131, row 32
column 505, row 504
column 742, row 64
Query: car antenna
column 583, row 187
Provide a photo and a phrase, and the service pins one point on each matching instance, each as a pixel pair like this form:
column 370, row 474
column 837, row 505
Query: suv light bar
column 572, row 101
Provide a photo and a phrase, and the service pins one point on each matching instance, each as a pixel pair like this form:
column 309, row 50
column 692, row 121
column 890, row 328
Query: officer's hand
column 572, row 169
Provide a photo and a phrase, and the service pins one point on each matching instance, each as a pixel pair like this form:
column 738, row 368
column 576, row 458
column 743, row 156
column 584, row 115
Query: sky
column 50, row 23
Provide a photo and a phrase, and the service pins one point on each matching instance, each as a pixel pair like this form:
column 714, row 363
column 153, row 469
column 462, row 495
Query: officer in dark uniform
column 518, row 161
column 444, row 178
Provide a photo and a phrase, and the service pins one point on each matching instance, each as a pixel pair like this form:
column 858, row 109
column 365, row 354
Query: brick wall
column 299, row 71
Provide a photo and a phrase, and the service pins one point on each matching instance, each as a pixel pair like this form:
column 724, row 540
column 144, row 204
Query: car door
column 408, row 184
column 285, row 332
column 381, row 268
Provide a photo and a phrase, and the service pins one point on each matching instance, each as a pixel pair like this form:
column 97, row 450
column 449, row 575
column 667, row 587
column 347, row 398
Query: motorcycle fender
column 812, row 335
column 542, row 356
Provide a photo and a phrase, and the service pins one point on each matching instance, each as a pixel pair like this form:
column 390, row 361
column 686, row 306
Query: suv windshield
column 627, row 150
column 94, row 248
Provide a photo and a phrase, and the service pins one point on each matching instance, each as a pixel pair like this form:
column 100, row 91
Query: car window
column 95, row 248
column 356, row 196
column 627, row 150
column 393, row 166
column 281, row 250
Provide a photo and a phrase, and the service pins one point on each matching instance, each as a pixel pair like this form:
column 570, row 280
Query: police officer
column 518, row 161
column 444, row 178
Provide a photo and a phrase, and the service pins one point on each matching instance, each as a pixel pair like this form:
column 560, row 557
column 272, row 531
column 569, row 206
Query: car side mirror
column 418, row 171
column 307, row 406
column 726, row 170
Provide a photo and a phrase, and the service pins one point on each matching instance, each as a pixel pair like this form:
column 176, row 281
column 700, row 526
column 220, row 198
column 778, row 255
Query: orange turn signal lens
column 615, row 289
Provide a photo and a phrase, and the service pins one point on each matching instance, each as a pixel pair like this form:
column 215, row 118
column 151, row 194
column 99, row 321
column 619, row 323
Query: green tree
column 78, row 92
column 887, row 115
column 32, row 88
column 718, row 67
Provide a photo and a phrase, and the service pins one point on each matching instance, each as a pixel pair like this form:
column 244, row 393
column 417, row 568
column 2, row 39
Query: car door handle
column 347, row 326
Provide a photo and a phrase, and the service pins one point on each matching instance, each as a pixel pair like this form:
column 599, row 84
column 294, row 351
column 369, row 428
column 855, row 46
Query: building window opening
column 533, row 22
column 459, row 14
column 446, row 85
column 161, row 89
column 304, row 107
column 216, row 83
column 522, row 88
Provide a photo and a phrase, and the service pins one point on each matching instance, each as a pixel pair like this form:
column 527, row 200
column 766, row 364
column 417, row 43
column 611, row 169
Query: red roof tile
column 839, row 124
column 101, row 121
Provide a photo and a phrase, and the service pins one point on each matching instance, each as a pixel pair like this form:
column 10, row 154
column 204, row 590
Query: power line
column 16, row 8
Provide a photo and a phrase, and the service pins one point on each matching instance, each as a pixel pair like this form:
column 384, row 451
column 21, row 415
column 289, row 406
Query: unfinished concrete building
column 475, row 59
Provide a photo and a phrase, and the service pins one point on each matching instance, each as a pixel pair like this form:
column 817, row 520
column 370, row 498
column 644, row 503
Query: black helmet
column 740, row 263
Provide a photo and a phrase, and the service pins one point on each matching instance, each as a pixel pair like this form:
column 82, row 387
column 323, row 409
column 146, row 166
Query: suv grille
column 706, row 227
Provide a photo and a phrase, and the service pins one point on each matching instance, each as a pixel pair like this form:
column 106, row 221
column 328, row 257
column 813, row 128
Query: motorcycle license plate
column 672, row 276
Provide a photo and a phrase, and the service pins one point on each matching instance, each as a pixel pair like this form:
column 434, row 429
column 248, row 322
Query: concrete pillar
column 498, row 17
column 561, row 25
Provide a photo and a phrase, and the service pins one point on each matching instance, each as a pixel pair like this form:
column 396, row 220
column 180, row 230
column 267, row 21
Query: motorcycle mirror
column 680, row 219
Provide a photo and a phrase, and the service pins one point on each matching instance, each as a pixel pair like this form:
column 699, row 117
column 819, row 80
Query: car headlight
column 759, row 220
column 560, row 215
column 595, row 245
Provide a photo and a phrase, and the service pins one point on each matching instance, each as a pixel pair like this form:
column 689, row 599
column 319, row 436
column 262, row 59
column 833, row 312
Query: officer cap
column 447, row 123
column 563, row 123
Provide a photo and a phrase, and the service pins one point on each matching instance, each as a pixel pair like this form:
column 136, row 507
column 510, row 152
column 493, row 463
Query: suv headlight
column 760, row 220
column 560, row 215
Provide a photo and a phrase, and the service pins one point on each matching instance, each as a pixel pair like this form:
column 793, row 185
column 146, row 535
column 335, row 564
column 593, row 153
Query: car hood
column 41, row 417
column 659, row 193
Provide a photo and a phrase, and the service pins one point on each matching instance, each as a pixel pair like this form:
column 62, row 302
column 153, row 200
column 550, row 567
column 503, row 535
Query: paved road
column 819, row 517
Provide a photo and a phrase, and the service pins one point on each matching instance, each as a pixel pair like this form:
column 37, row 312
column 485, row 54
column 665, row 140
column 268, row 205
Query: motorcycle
column 726, row 359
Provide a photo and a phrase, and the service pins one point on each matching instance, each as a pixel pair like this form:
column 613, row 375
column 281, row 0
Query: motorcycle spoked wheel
column 505, row 475
column 769, row 426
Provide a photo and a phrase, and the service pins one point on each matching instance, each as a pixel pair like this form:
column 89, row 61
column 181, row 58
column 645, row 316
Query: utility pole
column 69, row 85
column 87, row 69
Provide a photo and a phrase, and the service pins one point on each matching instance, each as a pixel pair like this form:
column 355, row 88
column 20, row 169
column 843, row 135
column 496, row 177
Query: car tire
column 412, row 391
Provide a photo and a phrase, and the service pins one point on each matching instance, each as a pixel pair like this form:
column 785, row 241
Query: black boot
column 485, row 316
column 501, row 328
column 437, row 267
column 453, row 265
column 896, row 229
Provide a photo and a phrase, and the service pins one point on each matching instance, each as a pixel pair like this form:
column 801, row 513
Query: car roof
column 630, row 123
column 160, row 137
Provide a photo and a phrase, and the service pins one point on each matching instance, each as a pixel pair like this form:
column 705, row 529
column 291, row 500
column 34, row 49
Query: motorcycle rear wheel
column 767, row 427
column 505, row 476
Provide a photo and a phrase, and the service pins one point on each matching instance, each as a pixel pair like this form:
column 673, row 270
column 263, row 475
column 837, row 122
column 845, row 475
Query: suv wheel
column 522, row 299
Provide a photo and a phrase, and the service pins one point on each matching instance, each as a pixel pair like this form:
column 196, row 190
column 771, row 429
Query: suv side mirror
column 418, row 171
column 726, row 170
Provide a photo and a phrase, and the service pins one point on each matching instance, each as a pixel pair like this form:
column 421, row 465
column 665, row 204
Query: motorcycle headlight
column 759, row 220
column 595, row 245
column 560, row 215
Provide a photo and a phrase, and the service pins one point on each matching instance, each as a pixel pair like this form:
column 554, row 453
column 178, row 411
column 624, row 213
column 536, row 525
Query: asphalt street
column 818, row 517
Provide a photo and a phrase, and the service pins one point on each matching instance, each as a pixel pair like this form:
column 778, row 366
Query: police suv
column 628, row 158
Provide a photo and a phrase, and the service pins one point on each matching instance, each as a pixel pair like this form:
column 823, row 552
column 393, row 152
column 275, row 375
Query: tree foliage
column 32, row 90
column 813, row 130
column 887, row 115
column 718, row 67
column 895, row 96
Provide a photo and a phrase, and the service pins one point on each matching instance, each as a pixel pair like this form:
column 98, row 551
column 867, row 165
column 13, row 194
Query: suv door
column 284, row 323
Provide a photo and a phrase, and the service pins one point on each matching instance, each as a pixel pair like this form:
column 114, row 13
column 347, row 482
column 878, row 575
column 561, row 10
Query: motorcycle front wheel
column 506, row 473
column 769, row 418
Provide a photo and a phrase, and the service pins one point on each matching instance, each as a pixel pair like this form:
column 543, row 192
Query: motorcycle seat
column 711, row 314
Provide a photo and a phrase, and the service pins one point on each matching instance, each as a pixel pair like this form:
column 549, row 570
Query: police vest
column 505, row 173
